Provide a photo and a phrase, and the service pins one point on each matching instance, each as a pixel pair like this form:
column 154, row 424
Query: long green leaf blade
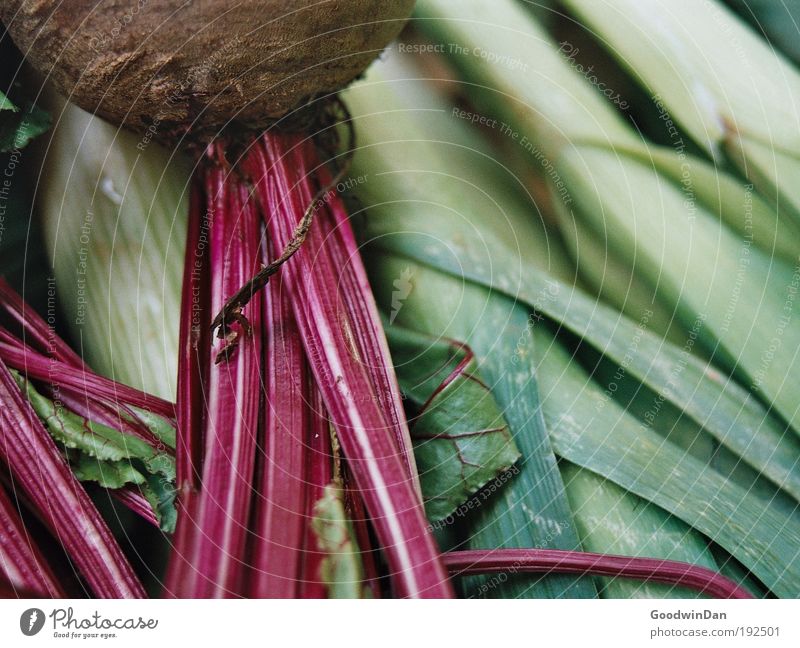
column 611, row 520
column 627, row 453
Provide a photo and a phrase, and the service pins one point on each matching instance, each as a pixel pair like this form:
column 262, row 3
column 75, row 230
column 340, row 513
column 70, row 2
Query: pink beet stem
column 288, row 420
column 209, row 548
column 22, row 564
column 558, row 561
column 344, row 367
column 39, row 469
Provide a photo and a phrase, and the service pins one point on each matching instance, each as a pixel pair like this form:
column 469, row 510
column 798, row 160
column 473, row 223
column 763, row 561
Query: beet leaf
column 461, row 440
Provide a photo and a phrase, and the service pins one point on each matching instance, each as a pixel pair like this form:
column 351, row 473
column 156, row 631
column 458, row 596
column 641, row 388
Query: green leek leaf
column 728, row 88
column 621, row 449
column 461, row 220
column 743, row 306
column 611, row 520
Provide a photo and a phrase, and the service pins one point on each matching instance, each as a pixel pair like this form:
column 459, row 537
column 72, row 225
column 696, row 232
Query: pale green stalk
column 114, row 213
column 731, row 92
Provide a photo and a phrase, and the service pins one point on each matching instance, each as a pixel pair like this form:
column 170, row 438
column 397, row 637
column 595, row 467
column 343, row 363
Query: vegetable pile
column 487, row 323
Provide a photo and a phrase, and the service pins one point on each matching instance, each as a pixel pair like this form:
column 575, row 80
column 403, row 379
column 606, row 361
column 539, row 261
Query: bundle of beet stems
column 288, row 413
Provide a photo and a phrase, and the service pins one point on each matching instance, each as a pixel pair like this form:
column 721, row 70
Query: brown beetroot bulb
column 199, row 65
